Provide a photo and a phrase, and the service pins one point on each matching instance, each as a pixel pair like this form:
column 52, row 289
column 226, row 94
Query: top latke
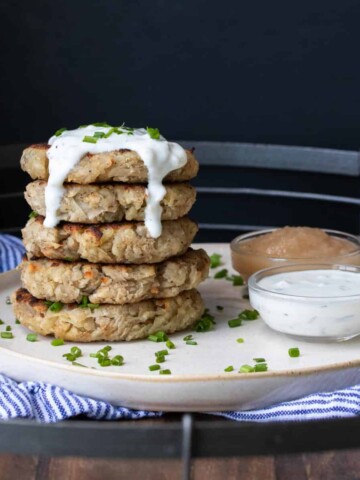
column 117, row 166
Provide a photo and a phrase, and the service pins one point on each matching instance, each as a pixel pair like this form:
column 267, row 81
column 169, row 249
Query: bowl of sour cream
column 310, row 301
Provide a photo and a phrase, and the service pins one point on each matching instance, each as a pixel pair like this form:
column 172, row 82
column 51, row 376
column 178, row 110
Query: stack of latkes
column 99, row 275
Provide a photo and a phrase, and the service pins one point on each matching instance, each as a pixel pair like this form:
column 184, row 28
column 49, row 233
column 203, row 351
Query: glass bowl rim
column 253, row 281
column 246, row 236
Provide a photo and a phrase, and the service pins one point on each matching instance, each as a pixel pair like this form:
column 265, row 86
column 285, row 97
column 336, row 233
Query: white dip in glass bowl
column 312, row 302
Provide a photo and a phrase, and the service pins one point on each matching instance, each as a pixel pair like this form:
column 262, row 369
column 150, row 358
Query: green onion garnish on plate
column 31, row 337
column 294, row 352
column 260, row 367
column 165, row 372
column 57, row 342
column 117, row 361
column 221, row 274
column 230, row 368
column 235, row 322
column 249, row 315
column 170, row 344
column 215, row 260
column 7, row 335
column 154, row 367
column 161, row 353
column 246, row 369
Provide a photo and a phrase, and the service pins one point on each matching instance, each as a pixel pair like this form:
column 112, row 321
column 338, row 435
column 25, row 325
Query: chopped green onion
column 84, row 303
column 294, row 352
column 8, row 328
column 54, row 306
column 76, row 351
column 104, row 362
column 237, row 280
column 107, row 348
column 17, row 321
column 1, row 322
column 240, row 340
column 221, row 273
column 57, row 342
column 170, row 344
column 188, row 337
column 249, row 315
column 109, row 132
column 88, row 139
column 159, row 336
column 59, row 132
column 245, row 296
column 117, row 361
column 260, row 367
column 191, row 342
column 31, row 337
column 153, row 338
column 99, row 135
column 161, row 353
column 160, row 359
column 205, row 323
column 7, row 335
column 220, row 308
column 152, row 368
column 8, row 301
column 165, row 372
column 230, row 368
column 246, row 369
column 33, row 214
column 101, row 124
column 236, row 322
column 68, row 259
column 215, row 260
column 153, row 132
column 70, row 357
column 259, row 360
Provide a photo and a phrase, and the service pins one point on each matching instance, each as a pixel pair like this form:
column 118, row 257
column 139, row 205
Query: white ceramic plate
column 198, row 381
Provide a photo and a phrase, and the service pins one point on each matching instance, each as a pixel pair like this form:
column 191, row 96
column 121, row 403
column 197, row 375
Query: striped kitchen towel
column 49, row 403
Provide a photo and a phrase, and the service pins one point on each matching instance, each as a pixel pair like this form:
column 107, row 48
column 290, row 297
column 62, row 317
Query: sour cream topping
column 159, row 156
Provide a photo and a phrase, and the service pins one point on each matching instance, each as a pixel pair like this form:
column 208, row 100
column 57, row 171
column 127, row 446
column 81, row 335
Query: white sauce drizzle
column 159, row 156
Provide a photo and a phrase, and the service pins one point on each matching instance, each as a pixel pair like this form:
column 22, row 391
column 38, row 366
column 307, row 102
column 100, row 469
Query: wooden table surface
column 340, row 465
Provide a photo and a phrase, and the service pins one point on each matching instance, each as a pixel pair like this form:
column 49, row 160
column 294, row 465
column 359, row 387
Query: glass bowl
column 247, row 263
column 309, row 301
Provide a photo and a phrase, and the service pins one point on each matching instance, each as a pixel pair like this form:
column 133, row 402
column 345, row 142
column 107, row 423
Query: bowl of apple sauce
column 255, row 251
column 318, row 302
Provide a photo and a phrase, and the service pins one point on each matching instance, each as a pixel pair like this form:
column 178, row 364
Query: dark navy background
column 269, row 72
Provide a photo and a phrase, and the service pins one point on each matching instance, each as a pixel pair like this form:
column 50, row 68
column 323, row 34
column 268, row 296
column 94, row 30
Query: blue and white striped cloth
column 49, row 403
